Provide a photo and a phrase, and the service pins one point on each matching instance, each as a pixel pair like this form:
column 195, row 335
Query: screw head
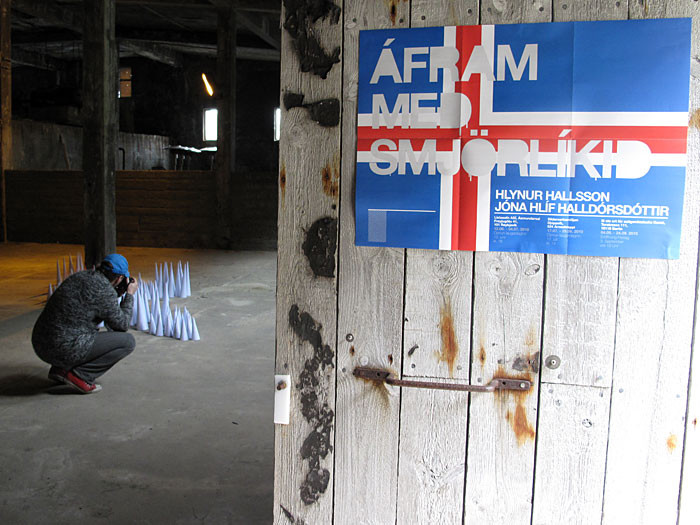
column 349, row 338
column 552, row 362
column 281, row 385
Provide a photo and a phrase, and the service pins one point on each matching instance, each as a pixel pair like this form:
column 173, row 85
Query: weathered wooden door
column 608, row 430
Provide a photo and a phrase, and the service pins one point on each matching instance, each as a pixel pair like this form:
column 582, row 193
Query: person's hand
column 133, row 286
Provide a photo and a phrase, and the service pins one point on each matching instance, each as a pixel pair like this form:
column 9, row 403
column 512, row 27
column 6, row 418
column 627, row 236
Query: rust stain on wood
column 522, row 428
column 380, row 388
column 450, row 349
column 393, row 6
column 391, row 359
column 352, row 350
column 531, row 338
column 671, row 443
column 695, row 119
column 482, row 355
column 283, row 181
column 527, row 362
column 329, row 178
column 695, row 422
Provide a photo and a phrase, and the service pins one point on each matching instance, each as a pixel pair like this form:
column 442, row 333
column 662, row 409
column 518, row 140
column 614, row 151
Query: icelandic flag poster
column 565, row 138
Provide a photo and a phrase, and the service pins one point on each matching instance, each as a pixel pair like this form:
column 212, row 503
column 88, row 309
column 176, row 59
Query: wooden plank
column 506, row 341
column 99, row 128
column 650, row 376
column 436, row 344
column 370, row 307
column 226, row 120
column 507, row 316
column 689, row 502
column 307, row 277
column 570, row 414
column 579, row 327
column 5, row 109
column 579, row 330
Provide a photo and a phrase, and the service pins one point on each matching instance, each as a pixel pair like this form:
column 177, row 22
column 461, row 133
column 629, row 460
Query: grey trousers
column 108, row 350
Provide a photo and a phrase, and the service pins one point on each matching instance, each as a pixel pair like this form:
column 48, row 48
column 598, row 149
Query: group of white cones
column 151, row 312
column 67, row 270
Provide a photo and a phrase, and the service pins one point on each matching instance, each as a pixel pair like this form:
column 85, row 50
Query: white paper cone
column 134, row 312
column 166, row 306
column 50, row 291
column 177, row 325
column 183, row 330
column 142, row 323
column 58, row 274
column 188, row 289
column 159, row 326
column 194, row 335
column 179, row 284
column 166, row 326
column 171, row 282
column 79, row 263
column 71, row 268
column 65, row 271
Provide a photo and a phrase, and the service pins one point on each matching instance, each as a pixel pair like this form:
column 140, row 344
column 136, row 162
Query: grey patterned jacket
column 65, row 330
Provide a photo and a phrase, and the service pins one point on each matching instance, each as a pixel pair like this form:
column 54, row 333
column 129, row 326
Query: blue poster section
column 397, row 209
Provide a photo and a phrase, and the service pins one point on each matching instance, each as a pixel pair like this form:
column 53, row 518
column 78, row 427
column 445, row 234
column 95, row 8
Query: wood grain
column 569, row 479
column 370, row 308
column 436, row 344
column 689, row 504
column 650, row 376
column 502, row 427
column 306, row 303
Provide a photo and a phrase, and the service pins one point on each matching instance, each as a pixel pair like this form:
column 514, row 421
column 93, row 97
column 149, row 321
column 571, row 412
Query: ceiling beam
column 260, row 28
column 260, row 6
column 155, row 52
column 255, row 53
column 50, row 12
column 23, row 57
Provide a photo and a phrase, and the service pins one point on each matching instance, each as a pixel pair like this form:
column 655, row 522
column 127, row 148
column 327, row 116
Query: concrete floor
column 182, row 431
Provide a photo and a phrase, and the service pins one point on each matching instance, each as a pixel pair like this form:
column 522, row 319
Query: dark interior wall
column 49, row 146
column 258, row 96
column 167, row 104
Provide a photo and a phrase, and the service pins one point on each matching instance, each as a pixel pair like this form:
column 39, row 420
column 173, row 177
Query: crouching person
column 66, row 335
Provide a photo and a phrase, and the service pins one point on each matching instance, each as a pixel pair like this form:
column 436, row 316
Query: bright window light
column 278, row 124
column 210, row 124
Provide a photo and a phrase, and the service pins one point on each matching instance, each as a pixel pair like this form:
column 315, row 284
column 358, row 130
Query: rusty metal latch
column 497, row 383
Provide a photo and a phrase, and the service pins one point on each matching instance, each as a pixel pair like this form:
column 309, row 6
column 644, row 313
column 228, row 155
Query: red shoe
column 78, row 384
column 57, row 374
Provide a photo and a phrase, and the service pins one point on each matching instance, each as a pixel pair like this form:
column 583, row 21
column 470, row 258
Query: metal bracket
column 385, row 376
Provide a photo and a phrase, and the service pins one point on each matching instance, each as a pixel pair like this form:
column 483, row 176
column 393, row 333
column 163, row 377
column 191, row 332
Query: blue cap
column 119, row 264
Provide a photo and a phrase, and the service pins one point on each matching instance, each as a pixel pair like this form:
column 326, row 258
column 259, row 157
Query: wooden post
column 226, row 137
column 100, row 81
column 5, row 106
column 306, row 266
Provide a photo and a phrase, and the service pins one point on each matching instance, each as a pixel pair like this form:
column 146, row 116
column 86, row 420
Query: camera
column 123, row 285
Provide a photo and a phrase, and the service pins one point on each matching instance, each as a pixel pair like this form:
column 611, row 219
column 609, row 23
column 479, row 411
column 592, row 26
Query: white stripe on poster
column 447, row 181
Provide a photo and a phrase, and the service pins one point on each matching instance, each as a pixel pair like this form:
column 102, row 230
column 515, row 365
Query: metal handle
column 497, row 383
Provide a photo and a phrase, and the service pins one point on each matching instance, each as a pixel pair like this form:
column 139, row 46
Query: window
column 210, row 124
column 277, row 124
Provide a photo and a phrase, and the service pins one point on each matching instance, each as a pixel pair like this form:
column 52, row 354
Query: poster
column 566, row 138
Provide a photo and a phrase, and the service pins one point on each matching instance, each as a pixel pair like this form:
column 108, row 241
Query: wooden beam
column 254, row 53
column 260, row 28
column 226, row 101
column 99, row 128
column 23, row 57
column 5, row 105
column 50, row 12
column 155, row 52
